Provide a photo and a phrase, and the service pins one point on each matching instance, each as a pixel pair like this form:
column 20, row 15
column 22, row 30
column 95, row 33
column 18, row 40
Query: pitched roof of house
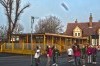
column 86, row 31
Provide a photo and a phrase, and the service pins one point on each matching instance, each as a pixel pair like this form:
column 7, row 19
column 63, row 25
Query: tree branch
column 3, row 3
column 18, row 12
column 21, row 11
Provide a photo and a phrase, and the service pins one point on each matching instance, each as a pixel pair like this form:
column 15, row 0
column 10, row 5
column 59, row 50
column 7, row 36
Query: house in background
column 90, row 29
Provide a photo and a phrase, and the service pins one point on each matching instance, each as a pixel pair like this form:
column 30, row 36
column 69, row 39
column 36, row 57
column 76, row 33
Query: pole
column 32, row 21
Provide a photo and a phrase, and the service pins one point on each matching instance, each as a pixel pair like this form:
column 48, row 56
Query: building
column 21, row 43
column 82, row 32
column 89, row 29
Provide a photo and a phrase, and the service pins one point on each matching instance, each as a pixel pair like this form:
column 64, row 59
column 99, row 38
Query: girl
column 77, row 55
column 49, row 55
column 55, row 56
column 89, row 54
column 94, row 53
column 37, row 57
column 83, row 52
column 70, row 54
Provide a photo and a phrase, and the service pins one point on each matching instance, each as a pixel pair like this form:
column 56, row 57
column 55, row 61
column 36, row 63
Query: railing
column 2, row 47
column 25, row 48
column 16, row 48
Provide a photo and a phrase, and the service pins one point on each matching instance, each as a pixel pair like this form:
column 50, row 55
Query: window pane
column 78, row 34
column 75, row 34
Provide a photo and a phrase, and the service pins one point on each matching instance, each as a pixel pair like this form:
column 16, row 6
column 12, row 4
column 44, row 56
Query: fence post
column 4, row 46
column 44, row 42
column 23, row 46
column 1, row 48
column 12, row 46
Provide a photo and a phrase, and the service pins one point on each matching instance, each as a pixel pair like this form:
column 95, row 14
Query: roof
column 84, row 27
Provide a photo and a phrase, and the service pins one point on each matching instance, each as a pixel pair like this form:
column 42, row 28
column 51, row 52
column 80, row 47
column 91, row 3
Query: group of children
column 79, row 56
column 52, row 54
column 83, row 55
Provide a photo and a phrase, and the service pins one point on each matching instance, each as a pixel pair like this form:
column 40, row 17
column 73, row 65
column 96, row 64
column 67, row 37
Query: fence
column 25, row 48
column 16, row 48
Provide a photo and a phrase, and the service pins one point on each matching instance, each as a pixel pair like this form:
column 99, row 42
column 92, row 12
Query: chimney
column 76, row 21
column 90, row 20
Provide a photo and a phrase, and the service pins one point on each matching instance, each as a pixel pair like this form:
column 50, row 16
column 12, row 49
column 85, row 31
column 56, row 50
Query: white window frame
column 77, row 32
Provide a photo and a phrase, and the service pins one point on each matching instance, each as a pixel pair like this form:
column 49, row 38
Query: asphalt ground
column 7, row 59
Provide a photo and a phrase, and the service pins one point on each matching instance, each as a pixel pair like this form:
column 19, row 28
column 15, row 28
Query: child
column 94, row 52
column 37, row 57
column 70, row 54
column 55, row 56
column 77, row 55
column 89, row 53
column 83, row 51
column 49, row 55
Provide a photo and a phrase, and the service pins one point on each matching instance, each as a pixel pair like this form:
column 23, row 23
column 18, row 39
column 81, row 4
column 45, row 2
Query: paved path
column 25, row 60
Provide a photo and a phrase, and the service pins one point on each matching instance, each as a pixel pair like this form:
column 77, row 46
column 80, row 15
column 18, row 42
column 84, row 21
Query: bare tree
column 50, row 24
column 3, row 32
column 13, row 12
column 18, row 29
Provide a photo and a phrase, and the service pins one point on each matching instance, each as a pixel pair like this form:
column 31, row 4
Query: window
column 39, row 39
column 77, row 32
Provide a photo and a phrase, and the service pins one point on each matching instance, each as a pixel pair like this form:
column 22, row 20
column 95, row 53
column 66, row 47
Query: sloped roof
column 86, row 31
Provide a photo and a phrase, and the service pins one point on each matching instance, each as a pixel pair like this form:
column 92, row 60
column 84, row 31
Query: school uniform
column 77, row 55
column 94, row 52
column 89, row 54
column 37, row 57
column 70, row 54
column 55, row 56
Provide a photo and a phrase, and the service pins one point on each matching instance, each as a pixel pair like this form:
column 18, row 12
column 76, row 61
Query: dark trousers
column 94, row 58
column 37, row 61
column 55, row 59
column 77, row 61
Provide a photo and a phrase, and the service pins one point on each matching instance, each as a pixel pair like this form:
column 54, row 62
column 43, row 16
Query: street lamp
column 32, row 21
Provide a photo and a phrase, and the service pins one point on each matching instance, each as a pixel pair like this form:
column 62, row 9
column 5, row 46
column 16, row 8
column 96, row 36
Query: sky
column 77, row 9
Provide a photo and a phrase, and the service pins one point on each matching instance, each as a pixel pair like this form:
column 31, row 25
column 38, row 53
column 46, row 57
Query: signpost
column 32, row 21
